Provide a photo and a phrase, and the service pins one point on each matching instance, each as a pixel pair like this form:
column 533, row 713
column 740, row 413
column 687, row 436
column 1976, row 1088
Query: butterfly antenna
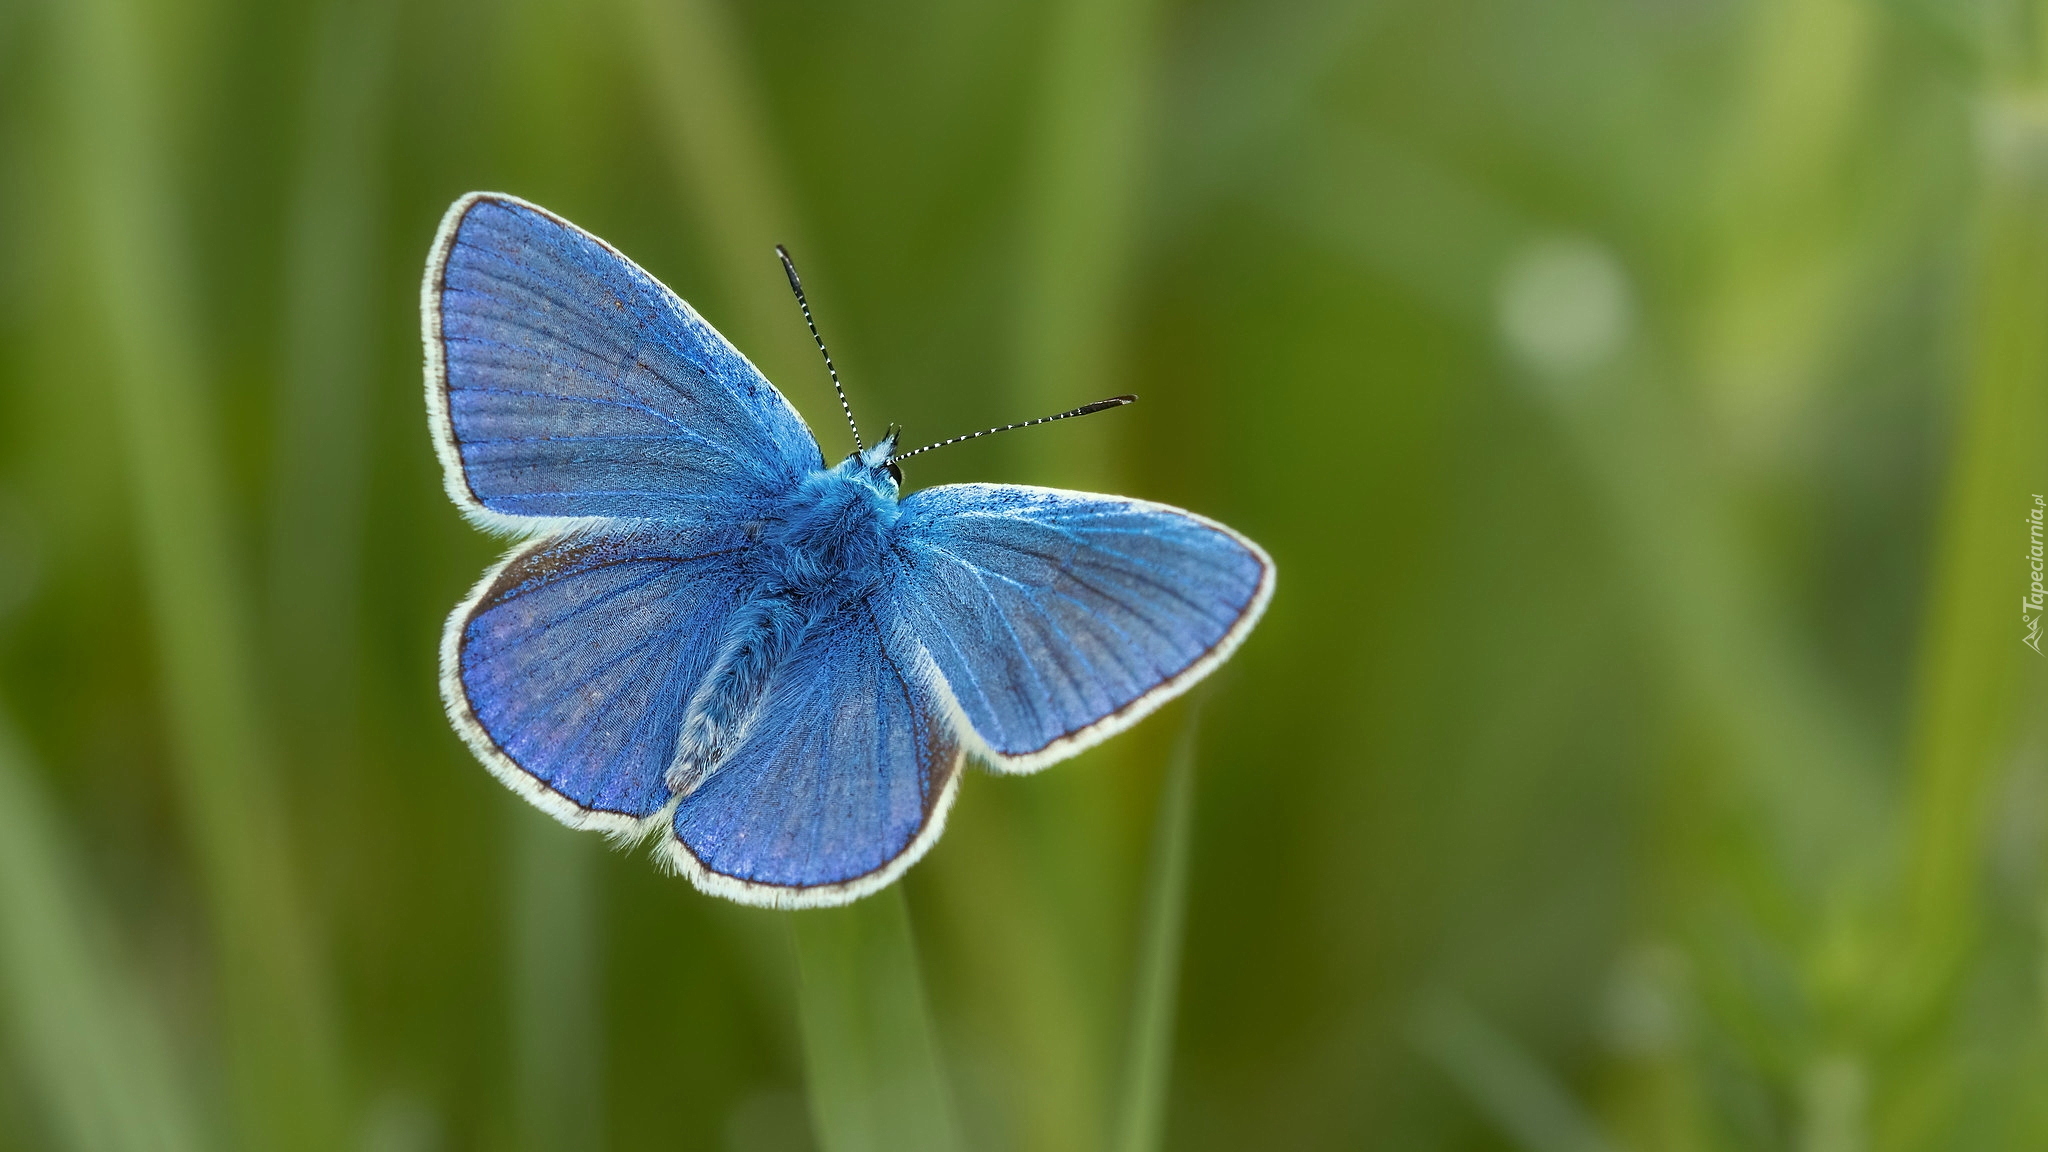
column 797, row 287
column 1083, row 410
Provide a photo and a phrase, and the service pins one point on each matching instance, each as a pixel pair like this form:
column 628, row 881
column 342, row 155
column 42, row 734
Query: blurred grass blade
column 91, row 1045
column 1519, row 1095
column 557, row 986
column 1398, row 215
column 869, row 1051
column 1240, row 88
column 331, row 306
column 1973, row 660
column 1002, row 905
column 283, row 1072
column 1148, row 1056
column 1087, row 165
column 719, row 143
column 1785, row 249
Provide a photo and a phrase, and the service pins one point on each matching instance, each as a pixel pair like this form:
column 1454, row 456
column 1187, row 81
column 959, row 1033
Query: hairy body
column 827, row 548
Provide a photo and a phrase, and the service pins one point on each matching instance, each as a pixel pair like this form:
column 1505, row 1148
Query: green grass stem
column 557, row 986
column 1148, row 1051
column 1087, row 160
column 284, row 1073
column 324, row 382
column 1973, row 664
column 1087, row 166
column 869, row 1049
column 704, row 100
column 1522, row 1098
column 83, row 1030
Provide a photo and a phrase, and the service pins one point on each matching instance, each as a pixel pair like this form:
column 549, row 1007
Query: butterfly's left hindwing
column 563, row 382
column 1057, row 619
column 567, row 670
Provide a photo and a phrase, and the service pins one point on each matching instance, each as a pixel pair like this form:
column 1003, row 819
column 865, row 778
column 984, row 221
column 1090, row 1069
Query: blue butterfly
column 708, row 631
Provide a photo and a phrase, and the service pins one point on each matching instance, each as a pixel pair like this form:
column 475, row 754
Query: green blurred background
column 1643, row 400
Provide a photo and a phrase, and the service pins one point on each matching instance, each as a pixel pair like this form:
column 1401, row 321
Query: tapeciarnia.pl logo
column 2037, row 597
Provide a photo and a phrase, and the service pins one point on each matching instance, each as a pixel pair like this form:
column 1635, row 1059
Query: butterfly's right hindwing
column 840, row 781
column 563, row 382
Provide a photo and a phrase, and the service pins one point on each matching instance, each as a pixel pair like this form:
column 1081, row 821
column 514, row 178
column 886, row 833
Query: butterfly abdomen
column 756, row 639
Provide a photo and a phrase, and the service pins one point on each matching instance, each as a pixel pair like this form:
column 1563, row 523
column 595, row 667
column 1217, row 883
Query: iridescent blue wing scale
column 568, row 668
column 563, row 382
column 841, row 782
column 1057, row 619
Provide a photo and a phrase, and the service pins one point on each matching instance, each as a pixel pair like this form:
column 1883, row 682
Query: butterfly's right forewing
column 563, row 382
column 1057, row 619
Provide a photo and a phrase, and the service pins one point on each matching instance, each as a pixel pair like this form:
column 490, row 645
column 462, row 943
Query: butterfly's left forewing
column 1056, row 619
column 564, row 383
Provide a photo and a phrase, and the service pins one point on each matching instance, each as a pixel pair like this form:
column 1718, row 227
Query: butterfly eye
column 895, row 474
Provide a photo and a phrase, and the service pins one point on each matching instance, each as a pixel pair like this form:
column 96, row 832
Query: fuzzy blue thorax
column 825, row 551
column 831, row 544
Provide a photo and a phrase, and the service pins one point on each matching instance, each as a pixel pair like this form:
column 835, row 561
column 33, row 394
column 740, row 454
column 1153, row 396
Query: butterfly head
column 873, row 464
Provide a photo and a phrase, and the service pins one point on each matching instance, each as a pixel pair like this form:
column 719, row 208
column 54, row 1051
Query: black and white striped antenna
column 797, row 287
column 1083, row 410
